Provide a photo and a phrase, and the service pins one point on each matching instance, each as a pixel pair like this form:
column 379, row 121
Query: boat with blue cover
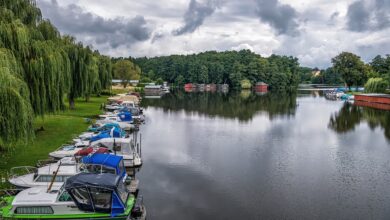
column 72, row 149
column 27, row 176
column 108, row 126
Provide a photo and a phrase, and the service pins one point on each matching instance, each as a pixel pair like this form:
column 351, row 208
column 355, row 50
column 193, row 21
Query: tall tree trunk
column 87, row 98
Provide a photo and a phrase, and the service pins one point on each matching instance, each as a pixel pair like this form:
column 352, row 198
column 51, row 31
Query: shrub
column 376, row 85
column 246, row 84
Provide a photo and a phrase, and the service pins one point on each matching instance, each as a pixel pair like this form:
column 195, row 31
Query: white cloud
column 233, row 25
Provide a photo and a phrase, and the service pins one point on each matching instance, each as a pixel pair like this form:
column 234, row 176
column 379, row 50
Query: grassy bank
column 58, row 129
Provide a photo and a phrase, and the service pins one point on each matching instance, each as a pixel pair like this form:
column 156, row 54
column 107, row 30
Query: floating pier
column 378, row 101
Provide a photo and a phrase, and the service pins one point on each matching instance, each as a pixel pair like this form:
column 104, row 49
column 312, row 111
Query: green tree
column 351, row 68
column 159, row 81
column 124, row 70
column 179, row 81
column 203, row 75
column 16, row 113
column 376, row 85
column 246, row 84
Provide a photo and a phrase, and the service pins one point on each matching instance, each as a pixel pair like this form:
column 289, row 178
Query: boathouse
column 261, row 87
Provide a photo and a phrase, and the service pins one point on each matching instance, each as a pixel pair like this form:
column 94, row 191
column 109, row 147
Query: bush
column 376, row 85
column 246, row 84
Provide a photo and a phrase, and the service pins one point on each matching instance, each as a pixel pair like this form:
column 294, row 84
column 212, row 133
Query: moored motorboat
column 124, row 147
column 83, row 196
column 58, row 173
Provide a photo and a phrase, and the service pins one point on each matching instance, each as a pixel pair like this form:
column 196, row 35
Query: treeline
column 231, row 67
column 317, row 76
column 39, row 67
column 349, row 69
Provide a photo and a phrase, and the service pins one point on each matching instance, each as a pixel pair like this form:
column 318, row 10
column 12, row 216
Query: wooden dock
column 378, row 101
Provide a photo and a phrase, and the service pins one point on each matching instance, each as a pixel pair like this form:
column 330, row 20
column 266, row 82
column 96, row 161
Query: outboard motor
column 137, row 210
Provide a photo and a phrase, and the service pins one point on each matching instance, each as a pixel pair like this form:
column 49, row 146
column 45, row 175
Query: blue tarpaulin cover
column 125, row 116
column 109, row 160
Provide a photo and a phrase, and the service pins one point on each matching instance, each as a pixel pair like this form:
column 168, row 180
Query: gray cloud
column 368, row 16
column 282, row 17
column 195, row 15
column 73, row 20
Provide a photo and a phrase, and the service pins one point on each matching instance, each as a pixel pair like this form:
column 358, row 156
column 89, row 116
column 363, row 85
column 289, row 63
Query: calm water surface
column 243, row 156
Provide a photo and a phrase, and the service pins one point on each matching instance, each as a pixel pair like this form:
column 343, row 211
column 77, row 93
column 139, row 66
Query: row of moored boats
column 91, row 177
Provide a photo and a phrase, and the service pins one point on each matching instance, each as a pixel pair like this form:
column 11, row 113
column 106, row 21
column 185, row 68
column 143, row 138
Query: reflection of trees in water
column 351, row 115
column 233, row 105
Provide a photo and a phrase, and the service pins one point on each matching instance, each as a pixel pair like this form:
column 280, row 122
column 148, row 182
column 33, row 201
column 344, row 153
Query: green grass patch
column 58, row 129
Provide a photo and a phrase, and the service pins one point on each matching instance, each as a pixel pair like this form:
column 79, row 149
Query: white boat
column 68, row 150
column 27, row 177
column 124, row 147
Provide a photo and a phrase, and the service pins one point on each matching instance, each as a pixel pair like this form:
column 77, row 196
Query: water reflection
column 282, row 163
column 242, row 106
column 350, row 116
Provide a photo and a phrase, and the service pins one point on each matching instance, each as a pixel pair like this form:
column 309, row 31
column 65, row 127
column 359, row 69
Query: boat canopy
column 105, row 127
column 125, row 116
column 104, row 193
column 100, row 136
column 114, row 132
column 109, row 160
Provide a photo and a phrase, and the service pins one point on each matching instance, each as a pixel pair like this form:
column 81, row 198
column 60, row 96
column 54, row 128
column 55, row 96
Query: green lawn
column 58, row 129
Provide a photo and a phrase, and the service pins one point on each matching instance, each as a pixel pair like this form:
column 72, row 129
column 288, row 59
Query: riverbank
column 57, row 130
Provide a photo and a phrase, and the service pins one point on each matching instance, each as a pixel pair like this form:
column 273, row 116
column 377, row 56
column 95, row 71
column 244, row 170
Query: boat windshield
column 101, row 198
column 97, row 168
column 49, row 178
column 63, row 196
column 81, row 195
column 125, row 148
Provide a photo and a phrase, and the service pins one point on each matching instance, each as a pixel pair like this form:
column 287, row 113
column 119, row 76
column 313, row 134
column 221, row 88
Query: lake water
column 273, row 156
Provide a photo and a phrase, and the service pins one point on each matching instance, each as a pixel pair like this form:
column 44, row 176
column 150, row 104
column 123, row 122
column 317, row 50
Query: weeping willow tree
column 45, row 66
column 105, row 74
column 15, row 109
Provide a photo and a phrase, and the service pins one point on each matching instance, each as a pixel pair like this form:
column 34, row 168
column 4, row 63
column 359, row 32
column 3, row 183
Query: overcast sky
column 314, row 31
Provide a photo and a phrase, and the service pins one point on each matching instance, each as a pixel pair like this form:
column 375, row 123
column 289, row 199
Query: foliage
column 126, row 70
column 351, row 68
column 15, row 107
column 44, row 65
column 376, row 85
column 246, row 84
column 224, row 67
column 381, row 66
column 159, row 81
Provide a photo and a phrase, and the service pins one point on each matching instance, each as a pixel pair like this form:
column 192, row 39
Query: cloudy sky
column 314, row 31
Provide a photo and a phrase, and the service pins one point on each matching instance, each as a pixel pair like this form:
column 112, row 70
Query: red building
column 261, row 87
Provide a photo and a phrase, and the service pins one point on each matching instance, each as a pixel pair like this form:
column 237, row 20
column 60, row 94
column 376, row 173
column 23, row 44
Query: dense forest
column 39, row 68
column 231, row 67
column 282, row 73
